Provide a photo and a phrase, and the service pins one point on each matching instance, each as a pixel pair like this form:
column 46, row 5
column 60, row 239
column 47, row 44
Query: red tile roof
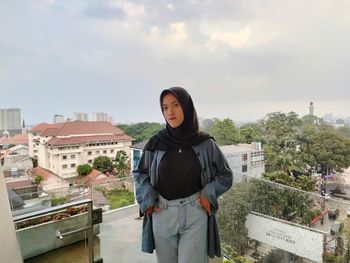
column 91, row 139
column 88, row 127
column 43, row 172
column 95, row 131
column 16, row 139
column 50, row 132
column 18, row 184
column 43, row 126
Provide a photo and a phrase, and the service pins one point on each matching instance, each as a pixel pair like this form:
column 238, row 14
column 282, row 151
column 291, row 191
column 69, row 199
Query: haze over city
column 238, row 59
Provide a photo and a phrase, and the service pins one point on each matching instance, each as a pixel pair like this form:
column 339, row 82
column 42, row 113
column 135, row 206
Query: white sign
column 299, row 241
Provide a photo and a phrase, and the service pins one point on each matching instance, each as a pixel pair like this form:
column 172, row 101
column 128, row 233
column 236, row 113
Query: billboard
column 295, row 239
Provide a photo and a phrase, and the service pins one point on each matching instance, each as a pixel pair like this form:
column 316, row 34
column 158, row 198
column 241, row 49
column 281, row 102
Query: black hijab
column 187, row 134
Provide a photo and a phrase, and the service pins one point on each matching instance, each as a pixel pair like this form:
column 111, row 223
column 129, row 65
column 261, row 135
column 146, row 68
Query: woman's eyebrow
column 175, row 101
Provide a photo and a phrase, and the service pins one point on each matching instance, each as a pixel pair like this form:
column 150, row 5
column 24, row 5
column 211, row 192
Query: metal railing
column 58, row 233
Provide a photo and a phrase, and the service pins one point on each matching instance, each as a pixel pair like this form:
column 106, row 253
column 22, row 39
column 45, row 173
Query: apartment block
column 57, row 118
column 62, row 147
column 10, row 119
column 80, row 116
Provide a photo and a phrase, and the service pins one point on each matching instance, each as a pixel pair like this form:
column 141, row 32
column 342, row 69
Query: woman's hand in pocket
column 149, row 211
column 204, row 203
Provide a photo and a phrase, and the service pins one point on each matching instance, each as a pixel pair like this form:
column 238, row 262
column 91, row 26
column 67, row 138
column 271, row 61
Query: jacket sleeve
column 220, row 175
column 145, row 193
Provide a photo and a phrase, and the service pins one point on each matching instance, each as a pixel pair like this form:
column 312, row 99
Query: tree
column 103, row 164
column 141, row 131
column 121, row 163
column 83, row 169
column 280, row 134
column 35, row 162
column 224, row 132
column 250, row 133
column 206, row 124
column 38, row 179
column 330, row 150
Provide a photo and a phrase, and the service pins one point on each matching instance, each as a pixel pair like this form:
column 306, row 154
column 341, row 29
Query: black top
column 179, row 173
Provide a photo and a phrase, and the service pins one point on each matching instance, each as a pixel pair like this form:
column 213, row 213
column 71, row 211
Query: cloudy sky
column 239, row 59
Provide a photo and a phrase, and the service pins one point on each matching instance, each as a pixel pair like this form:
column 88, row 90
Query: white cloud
column 178, row 31
column 132, row 9
column 234, row 40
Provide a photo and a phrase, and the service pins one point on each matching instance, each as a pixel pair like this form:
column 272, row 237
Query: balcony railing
column 258, row 220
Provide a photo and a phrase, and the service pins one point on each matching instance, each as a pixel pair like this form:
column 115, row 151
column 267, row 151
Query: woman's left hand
column 204, row 203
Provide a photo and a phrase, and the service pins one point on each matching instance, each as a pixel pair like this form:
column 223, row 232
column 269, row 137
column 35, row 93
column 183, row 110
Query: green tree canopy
column 103, row 164
column 38, row 179
column 251, row 132
column 83, row 169
column 330, row 150
column 224, row 132
column 141, row 131
column 121, row 163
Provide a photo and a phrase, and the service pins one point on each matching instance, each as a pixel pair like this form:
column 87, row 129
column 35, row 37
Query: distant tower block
column 311, row 108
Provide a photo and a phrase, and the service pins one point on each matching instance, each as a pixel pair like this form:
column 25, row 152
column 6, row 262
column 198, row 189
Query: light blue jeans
column 180, row 231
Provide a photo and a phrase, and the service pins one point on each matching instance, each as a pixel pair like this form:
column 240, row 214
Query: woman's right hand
column 149, row 211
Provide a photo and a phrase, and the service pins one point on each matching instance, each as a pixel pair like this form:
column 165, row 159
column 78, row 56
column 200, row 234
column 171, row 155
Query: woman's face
column 172, row 111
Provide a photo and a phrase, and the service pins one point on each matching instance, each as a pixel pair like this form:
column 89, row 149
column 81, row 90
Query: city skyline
column 239, row 59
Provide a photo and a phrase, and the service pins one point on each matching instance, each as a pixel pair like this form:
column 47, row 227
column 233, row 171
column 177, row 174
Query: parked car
column 336, row 227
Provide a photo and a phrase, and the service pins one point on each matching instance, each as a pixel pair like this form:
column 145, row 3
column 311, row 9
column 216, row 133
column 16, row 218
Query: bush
column 84, row 169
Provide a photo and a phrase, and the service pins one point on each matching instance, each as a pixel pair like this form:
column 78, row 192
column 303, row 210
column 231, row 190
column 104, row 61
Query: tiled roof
column 18, row 184
column 43, row 126
column 43, row 172
column 50, row 132
column 17, row 139
column 92, row 139
column 88, row 127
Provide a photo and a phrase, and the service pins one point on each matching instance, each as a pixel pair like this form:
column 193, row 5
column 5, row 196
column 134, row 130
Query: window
column 97, row 152
column 89, row 161
column 112, row 151
column 64, row 157
column 72, row 165
column 244, row 168
column 64, row 166
column 244, row 157
column 89, row 153
column 104, row 151
column 72, row 156
column 35, row 151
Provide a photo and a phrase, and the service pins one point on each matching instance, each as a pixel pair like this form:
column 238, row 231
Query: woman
column 178, row 180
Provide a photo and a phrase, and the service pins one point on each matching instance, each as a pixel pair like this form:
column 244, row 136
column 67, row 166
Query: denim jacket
column 216, row 177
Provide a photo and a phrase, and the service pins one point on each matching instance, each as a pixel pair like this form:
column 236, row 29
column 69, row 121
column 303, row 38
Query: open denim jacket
column 216, row 179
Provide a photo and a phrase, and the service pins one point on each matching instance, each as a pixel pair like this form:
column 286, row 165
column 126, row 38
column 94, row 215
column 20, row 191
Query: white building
column 10, row 119
column 102, row 116
column 60, row 148
column 57, row 118
column 80, row 116
column 245, row 160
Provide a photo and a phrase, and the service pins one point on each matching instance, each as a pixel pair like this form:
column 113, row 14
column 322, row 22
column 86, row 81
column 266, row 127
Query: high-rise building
column 100, row 116
column 10, row 119
column 80, row 116
column 57, row 118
